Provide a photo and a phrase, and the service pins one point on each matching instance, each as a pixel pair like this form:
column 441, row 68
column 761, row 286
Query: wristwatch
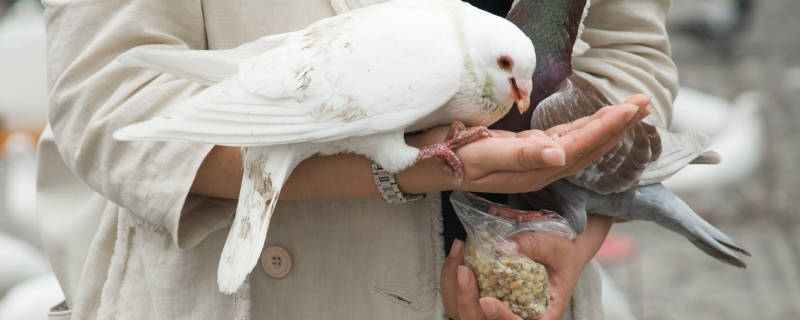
column 387, row 186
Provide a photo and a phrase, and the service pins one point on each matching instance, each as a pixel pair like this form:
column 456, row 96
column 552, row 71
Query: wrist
column 597, row 229
column 424, row 177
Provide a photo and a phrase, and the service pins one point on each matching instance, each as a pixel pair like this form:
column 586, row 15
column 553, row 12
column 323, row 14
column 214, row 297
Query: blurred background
column 739, row 64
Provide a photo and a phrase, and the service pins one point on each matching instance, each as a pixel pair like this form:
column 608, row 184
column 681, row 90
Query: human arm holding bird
column 505, row 162
column 282, row 116
column 93, row 95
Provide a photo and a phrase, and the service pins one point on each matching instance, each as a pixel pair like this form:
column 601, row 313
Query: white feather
column 204, row 66
column 265, row 172
column 350, row 83
column 739, row 141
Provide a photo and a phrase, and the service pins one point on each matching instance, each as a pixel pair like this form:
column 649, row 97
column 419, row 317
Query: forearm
column 350, row 176
column 592, row 238
column 505, row 162
column 318, row 177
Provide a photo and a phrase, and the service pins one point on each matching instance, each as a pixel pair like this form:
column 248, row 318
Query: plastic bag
column 513, row 278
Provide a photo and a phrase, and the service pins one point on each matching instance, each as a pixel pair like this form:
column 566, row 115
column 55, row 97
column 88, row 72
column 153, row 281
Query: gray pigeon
column 624, row 183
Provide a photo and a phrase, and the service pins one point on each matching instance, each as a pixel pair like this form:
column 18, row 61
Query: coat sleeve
column 92, row 95
column 629, row 52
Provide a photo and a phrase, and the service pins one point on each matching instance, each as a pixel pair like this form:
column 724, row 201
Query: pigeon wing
column 620, row 168
column 333, row 80
column 203, row 66
column 679, row 150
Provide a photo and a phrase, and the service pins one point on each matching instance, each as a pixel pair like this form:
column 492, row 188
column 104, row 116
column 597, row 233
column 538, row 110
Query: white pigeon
column 19, row 158
column 32, row 299
column 737, row 133
column 349, row 83
column 23, row 103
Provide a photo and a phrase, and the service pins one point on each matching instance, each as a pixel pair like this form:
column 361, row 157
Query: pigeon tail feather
column 202, row 66
column 139, row 131
column 651, row 203
column 265, row 172
column 656, row 203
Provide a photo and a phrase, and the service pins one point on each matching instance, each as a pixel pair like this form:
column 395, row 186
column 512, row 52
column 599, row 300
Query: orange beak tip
column 522, row 106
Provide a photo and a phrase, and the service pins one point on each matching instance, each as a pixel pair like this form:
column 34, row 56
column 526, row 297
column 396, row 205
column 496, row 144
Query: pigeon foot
column 458, row 136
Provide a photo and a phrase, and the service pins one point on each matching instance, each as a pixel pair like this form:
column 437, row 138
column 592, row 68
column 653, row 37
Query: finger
column 532, row 133
column 502, row 133
column 502, row 154
column 536, row 179
column 449, row 283
column 554, row 253
column 580, row 142
column 566, row 128
column 638, row 99
column 562, row 281
column 643, row 102
column 540, row 246
column 546, row 176
column 495, row 309
column 468, row 306
column 560, row 296
column 586, row 158
column 550, row 156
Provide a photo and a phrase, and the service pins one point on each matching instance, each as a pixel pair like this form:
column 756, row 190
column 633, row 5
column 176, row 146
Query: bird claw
column 458, row 136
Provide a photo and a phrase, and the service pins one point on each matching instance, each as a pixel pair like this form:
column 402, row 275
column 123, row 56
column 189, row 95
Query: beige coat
column 127, row 241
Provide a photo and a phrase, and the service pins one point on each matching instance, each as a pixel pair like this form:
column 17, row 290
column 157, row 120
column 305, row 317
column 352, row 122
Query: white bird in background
column 23, row 78
column 32, row 299
column 19, row 159
column 350, row 83
column 19, row 260
column 737, row 133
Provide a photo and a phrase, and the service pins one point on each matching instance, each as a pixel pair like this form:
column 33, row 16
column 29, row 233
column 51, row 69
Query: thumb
column 540, row 246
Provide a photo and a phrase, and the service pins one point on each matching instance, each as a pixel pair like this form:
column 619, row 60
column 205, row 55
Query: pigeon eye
column 505, row 63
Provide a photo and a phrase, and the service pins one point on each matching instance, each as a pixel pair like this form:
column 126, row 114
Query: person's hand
column 564, row 260
column 510, row 162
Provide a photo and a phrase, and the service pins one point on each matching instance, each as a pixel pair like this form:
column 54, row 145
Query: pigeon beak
column 521, row 92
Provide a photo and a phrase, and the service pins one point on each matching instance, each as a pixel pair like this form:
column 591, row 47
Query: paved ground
column 669, row 278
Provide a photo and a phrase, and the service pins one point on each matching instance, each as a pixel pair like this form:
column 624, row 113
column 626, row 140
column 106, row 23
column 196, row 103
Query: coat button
column 276, row 261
